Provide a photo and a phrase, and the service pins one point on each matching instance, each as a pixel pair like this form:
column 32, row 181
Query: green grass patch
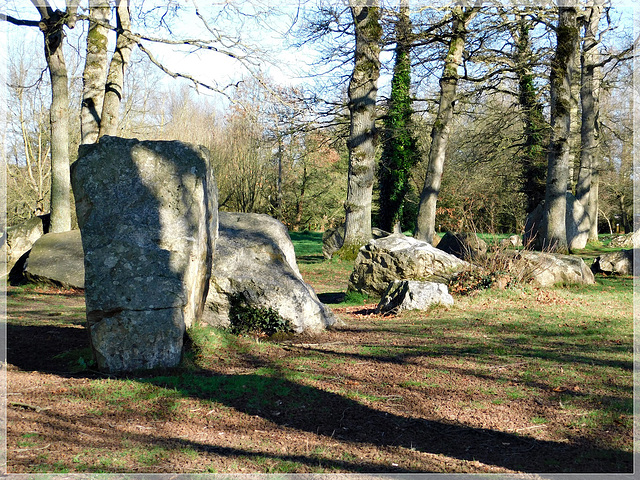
column 356, row 298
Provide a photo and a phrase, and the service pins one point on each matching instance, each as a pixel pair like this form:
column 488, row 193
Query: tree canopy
column 267, row 89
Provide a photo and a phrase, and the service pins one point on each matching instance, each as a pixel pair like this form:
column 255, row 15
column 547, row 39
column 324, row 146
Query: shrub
column 470, row 280
column 246, row 319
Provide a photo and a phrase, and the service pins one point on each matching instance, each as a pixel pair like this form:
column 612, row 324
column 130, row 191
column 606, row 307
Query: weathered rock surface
column 615, row 263
column 547, row 269
column 466, row 246
column 630, row 240
column 19, row 239
column 398, row 257
column 255, row 260
column 413, row 295
column 577, row 225
column 332, row 240
column 148, row 216
column 57, row 258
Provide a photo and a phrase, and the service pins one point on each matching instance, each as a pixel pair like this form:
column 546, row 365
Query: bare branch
column 173, row 74
column 19, row 22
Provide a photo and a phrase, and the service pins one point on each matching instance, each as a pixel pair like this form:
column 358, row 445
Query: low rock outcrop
column 547, row 269
column 413, row 295
column 615, row 263
column 466, row 246
column 56, row 258
column 148, row 216
column 398, row 257
column 512, row 241
column 255, row 262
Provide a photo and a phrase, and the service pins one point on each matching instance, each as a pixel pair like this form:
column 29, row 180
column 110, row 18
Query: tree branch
column 19, row 22
column 173, row 74
column 44, row 8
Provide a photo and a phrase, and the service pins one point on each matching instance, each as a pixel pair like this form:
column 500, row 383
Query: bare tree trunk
column 115, row 78
column 52, row 28
column 95, row 71
column 554, row 218
column 574, row 132
column 588, row 175
column 280, row 178
column 363, row 90
column 442, row 126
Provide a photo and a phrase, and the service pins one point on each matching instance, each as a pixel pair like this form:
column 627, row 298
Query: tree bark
column 114, row 89
column 363, row 90
column 588, row 175
column 554, row 233
column 95, row 71
column 52, row 27
column 441, row 129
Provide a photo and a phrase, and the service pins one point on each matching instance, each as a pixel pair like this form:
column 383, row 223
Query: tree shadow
column 289, row 404
column 332, row 297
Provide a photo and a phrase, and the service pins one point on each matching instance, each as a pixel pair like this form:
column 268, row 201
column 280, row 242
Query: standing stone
column 332, row 240
column 148, row 216
column 413, row 295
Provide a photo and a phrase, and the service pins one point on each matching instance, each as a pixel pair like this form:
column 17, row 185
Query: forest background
column 268, row 97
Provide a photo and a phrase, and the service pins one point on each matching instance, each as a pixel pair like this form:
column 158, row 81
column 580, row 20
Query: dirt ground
column 354, row 410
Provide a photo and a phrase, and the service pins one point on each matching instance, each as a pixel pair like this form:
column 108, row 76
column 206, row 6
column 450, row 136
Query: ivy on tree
column 399, row 154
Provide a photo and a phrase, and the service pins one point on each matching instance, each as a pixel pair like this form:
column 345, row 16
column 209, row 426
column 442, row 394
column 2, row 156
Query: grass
column 562, row 355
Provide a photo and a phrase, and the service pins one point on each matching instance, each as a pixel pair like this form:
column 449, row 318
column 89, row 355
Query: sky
column 281, row 64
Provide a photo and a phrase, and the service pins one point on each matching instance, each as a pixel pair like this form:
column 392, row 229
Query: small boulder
column 630, row 240
column 466, row 246
column 413, row 295
column 615, row 263
column 57, row 258
column 332, row 240
column 398, row 257
column 547, row 269
column 512, row 242
column 255, row 261
column 19, row 239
